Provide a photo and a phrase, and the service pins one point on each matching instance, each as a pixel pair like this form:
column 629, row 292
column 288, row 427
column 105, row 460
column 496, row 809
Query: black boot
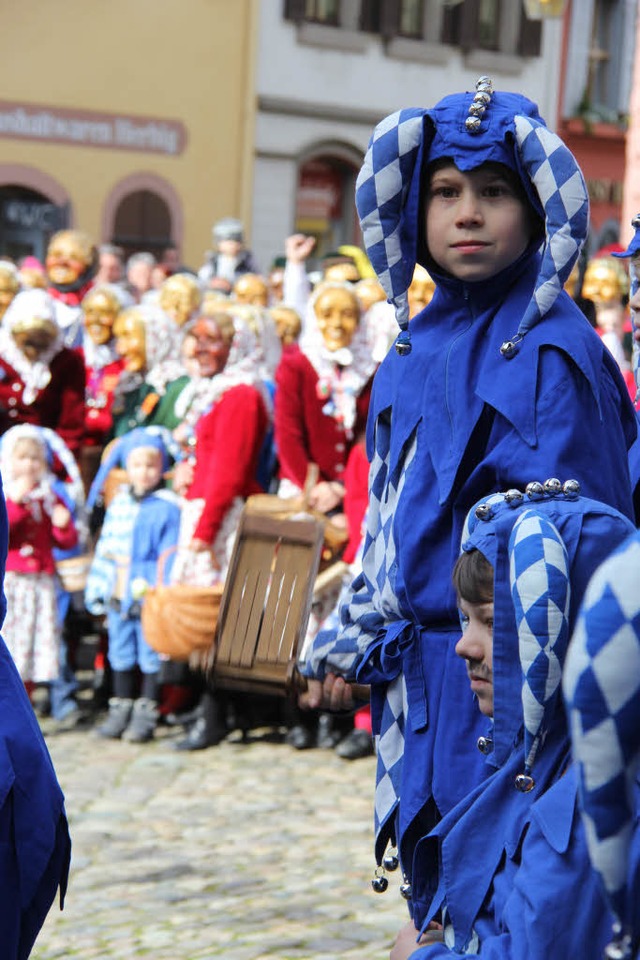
column 210, row 728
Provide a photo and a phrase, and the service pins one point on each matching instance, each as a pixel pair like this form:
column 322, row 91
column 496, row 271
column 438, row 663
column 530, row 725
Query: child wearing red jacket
column 38, row 522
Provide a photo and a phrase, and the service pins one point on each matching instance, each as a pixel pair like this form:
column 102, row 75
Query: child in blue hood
column 141, row 523
column 499, row 872
column 500, row 378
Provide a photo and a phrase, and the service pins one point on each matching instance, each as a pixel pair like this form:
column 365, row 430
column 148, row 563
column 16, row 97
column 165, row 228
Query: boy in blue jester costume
column 602, row 688
column 500, row 378
column 141, row 523
column 501, row 870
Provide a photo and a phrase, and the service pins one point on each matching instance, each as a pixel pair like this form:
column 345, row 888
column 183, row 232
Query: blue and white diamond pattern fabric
column 602, row 690
column 553, row 170
column 381, row 190
column 539, row 574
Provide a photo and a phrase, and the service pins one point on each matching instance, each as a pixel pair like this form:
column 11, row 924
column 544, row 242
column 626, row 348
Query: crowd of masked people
column 141, row 404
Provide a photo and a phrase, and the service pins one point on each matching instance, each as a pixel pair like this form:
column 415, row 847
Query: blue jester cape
column 35, row 847
column 448, row 424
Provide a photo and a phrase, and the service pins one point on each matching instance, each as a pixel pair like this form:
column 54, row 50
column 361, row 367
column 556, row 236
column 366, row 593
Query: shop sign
column 319, row 192
column 84, row 128
column 31, row 215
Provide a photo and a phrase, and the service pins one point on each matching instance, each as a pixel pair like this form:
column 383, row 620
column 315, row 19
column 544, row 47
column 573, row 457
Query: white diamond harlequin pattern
column 539, row 572
column 602, row 689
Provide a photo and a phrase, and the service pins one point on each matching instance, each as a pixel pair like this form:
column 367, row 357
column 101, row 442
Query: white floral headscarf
column 35, row 375
column 342, row 374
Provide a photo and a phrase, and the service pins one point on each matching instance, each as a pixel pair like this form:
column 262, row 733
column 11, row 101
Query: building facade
column 132, row 121
column 329, row 70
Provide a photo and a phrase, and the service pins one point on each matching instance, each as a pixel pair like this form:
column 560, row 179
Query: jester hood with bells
column 470, row 129
column 544, row 543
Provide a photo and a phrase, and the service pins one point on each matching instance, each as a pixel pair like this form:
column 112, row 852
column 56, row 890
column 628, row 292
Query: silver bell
column 484, row 511
column 472, row 124
column 571, row 489
column 379, row 883
column 477, row 109
column 484, row 745
column 403, row 349
column 508, row 349
column 552, row 486
column 620, row 948
column 390, row 861
column 534, row 490
column 524, row 783
column 514, row 496
column 482, row 97
column 405, row 890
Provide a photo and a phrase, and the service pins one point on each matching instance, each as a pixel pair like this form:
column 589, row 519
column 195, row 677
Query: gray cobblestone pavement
column 246, row 851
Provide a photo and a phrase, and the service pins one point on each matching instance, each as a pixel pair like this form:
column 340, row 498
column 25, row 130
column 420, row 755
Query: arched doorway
column 28, row 219
column 325, row 205
column 143, row 212
column 142, row 222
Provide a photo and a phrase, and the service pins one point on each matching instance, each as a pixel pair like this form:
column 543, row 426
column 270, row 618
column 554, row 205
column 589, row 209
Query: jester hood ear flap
column 558, row 181
column 388, row 201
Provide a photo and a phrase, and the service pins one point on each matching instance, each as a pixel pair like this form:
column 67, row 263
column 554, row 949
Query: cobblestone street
column 247, row 851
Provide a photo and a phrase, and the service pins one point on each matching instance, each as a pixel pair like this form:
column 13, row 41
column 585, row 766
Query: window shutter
column 370, row 16
column 530, row 39
column 389, row 18
column 469, row 24
column 295, row 10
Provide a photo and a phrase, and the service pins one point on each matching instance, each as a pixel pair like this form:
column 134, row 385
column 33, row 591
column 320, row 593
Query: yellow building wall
column 183, row 60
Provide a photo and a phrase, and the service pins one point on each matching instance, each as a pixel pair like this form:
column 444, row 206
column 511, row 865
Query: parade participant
column 226, row 411
column 225, row 423
column 230, row 259
column 140, row 524
column 180, row 297
column 100, row 308
column 139, row 269
column 498, row 379
column 110, row 264
column 71, row 264
column 526, row 561
column 9, row 285
column 323, row 386
column 602, row 688
column 32, row 274
column 606, row 284
column 287, row 322
column 276, row 280
column 148, row 342
column 369, row 291
column 38, row 521
column 41, row 380
column 36, row 848
column 252, row 289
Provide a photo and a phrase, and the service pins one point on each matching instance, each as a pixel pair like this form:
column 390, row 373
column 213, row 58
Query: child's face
column 144, row 469
column 28, row 462
column 476, row 647
column 476, row 224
